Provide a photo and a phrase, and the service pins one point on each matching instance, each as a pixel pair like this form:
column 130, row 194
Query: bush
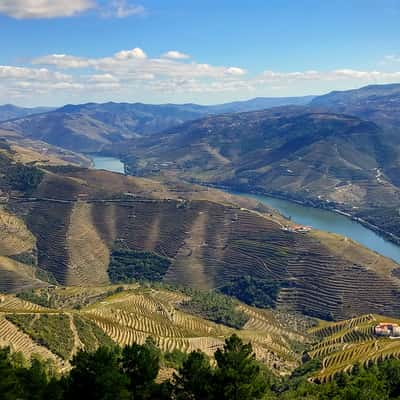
column 90, row 334
column 40, row 298
column 253, row 291
column 23, row 177
column 127, row 266
column 215, row 307
column 50, row 330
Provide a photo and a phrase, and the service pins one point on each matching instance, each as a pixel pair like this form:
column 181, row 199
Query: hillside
column 341, row 345
column 86, row 227
column 89, row 127
column 33, row 151
column 381, row 105
column 9, row 111
column 330, row 160
column 130, row 314
column 72, row 318
column 377, row 103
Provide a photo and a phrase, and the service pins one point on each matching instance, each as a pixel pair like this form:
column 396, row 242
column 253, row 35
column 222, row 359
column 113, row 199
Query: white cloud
column 62, row 61
column 134, row 64
column 132, row 75
column 335, row 75
column 37, row 9
column 122, row 9
column 38, row 74
column 24, row 9
column 175, row 55
column 129, row 54
column 236, row 71
column 103, row 78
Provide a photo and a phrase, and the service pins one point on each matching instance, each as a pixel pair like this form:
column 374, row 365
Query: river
column 319, row 219
column 108, row 163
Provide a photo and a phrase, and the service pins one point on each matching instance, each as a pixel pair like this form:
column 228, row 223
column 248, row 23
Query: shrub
column 129, row 265
column 215, row 307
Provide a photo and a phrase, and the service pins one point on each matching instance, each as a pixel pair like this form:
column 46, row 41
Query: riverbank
column 327, row 216
column 316, row 204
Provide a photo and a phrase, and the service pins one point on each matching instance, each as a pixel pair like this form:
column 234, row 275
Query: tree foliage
column 129, row 265
column 253, row 291
column 131, row 373
column 215, row 307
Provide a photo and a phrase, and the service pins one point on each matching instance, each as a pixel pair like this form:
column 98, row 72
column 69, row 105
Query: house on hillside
column 387, row 329
column 297, row 228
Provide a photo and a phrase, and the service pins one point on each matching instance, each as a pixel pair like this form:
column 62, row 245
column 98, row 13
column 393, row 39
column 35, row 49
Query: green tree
column 390, row 373
column 10, row 388
column 194, row 379
column 97, row 376
column 141, row 365
column 33, row 381
column 238, row 375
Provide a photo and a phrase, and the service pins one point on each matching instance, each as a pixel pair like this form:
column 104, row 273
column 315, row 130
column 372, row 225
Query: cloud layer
column 24, row 9
column 132, row 75
column 39, row 9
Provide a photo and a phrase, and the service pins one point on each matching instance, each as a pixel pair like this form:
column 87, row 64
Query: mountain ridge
column 89, row 127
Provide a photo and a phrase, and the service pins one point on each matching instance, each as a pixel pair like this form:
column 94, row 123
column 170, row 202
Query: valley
column 319, row 158
column 317, row 218
column 130, row 237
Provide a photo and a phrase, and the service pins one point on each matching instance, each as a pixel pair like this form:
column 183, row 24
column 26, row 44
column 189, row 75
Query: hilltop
column 9, row 111
column 377, row 103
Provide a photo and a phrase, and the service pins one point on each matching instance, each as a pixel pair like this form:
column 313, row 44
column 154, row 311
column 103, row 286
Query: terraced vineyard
column 132, row 315
column 68, row 228
column 343, row 344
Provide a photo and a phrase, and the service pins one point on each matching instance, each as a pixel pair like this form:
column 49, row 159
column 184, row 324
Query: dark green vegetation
column 131, row 372
column 90, row 334
column 215, row 307
column 89, row 127
column 40, row 298
column 51, row 331
column 128, row 266
column 17, row 176
column 24, row 178
column 261, row 293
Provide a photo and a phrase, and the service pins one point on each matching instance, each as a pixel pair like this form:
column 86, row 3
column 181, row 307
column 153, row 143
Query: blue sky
column 71, row 51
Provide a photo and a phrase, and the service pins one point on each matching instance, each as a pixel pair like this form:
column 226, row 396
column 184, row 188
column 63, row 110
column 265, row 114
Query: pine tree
column 238, row 374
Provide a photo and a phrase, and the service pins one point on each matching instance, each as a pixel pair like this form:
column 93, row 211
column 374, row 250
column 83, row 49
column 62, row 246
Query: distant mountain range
column 88, row 127
column 9, row 111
